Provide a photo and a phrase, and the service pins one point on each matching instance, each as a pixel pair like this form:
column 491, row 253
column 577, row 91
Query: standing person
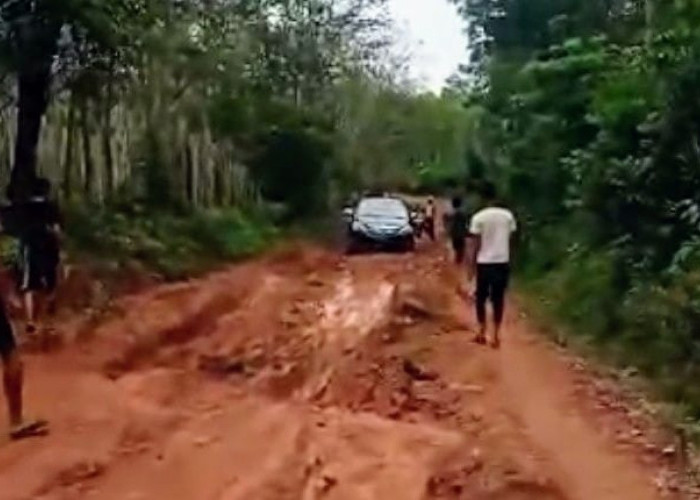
column 429, row 221
column 12, row 366
column 457, row 224
column 13, row 383
column 491, row 229
column 40, row 251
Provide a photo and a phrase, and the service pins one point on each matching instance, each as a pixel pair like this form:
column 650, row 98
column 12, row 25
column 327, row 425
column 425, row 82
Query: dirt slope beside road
column 306, row 375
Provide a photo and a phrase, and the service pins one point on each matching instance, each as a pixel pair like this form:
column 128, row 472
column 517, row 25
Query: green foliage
column 174, row 245
column 392, row 138
column 204, row 104
column 292, row 169
column 595, row 108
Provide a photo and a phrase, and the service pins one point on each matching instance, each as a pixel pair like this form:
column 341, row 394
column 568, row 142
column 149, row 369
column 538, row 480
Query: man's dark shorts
column 39, row 269
column 459, row 245
column 8, row 344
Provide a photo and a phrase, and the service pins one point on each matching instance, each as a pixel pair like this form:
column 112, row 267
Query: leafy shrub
column 174, row 245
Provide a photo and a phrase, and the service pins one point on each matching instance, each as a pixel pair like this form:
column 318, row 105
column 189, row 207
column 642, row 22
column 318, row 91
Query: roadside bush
column 653, row 326
column 175, row 245
column 581, row 293
column 662, row 336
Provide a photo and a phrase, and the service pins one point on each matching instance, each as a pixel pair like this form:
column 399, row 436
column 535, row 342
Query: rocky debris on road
column 220, row 365
column 314, row 280
column 74, row 478
column 420, row 301
column 318, row 404
column 416, row 372
column 454, row 480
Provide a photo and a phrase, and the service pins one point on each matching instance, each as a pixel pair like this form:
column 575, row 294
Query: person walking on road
column 429, row 222
column 13, row 383
column 457, row 224
column 491, row 232
column 13, row 369
column 40, row 251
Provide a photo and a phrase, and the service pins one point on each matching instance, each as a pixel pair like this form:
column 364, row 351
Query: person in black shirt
column 457, row 225
column 39, row 249
column 13, row 375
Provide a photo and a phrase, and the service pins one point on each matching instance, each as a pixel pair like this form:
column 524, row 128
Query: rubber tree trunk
column 69, row 152
column 650, row 16
column 107, row 105
column 89, row 179
column 33, row 88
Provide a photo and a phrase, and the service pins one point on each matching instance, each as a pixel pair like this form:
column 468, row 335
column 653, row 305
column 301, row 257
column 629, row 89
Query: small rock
column 412, row 307
column 650, row 448
column 416, row 372
column 326, row 483
column 314, row 281
column 473, row 389
column 203, row 441
column 220, row 365
column 669, row 451
column 289, row 320
column 622, row 438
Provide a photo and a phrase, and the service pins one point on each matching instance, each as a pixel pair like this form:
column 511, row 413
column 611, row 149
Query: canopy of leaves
column 192, row 102
column 588, row 116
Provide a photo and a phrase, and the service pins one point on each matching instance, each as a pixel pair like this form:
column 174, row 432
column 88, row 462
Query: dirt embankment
column 306, row 375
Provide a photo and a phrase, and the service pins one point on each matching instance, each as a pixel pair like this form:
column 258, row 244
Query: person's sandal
column 31, row 428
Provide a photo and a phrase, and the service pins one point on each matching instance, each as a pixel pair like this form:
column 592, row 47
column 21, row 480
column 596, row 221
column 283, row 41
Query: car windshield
column 385, row 208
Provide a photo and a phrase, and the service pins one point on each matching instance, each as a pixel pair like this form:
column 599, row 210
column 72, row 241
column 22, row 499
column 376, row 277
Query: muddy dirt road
column 306, row 375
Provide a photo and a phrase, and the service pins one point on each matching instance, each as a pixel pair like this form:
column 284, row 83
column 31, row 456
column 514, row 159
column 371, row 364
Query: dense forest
column 587, row 113
column 203, row 103
column 165, row 106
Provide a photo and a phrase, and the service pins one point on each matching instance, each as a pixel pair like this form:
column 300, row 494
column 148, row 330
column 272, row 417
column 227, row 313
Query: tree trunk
column 189, row 174
column 219, row 188
column 107, row 135
column 650, row 15
column 87, row 150
column 33, row 88
column 68, row 158
column 193, row 157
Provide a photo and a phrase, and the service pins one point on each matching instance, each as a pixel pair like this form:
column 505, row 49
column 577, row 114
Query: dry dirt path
column 306, row 375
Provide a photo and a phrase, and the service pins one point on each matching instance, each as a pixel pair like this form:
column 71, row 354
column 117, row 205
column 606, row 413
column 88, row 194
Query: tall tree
column 40, row 38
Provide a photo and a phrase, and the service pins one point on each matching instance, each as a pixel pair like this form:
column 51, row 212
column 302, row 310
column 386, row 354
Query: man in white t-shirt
column 491, row 230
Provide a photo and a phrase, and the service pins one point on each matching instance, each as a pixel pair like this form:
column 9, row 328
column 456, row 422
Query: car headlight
column 406, row 230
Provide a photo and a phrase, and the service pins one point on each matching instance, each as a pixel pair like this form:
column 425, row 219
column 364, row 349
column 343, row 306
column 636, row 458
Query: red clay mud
column 305, row 375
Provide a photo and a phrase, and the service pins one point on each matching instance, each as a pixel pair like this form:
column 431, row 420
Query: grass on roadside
column 651, row 328
column 173, row 245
